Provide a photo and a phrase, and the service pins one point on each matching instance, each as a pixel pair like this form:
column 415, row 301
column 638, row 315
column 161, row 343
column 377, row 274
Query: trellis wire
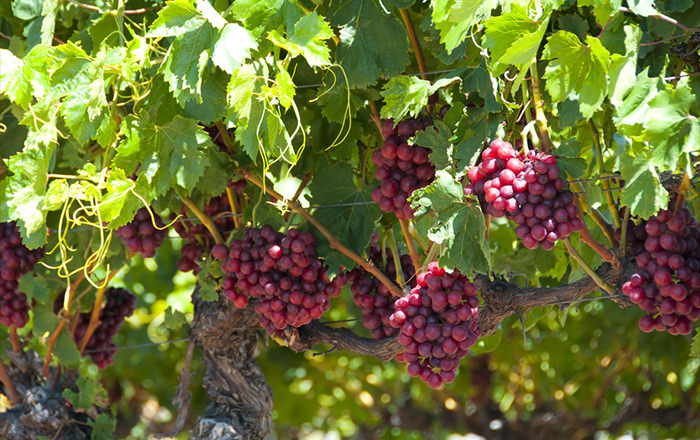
column 172, row 341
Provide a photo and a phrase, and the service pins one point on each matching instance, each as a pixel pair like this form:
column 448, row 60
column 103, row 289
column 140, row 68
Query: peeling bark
column 240, row 398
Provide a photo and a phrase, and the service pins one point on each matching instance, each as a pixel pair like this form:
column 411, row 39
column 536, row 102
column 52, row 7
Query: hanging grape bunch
column 438, row 322
column 141, row 236
column 196, row 234
column 282, row 271
column 373, row 298
column 120, row 305
column 667, row 284
column 15, row 261
column 528, row 189
column 401, row 168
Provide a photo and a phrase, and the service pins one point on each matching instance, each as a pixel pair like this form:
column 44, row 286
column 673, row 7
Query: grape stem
column 409, row 242
column 95, row 315
column 14, row 340
column 9, row 386
column 206, row 221
column 334, row 243
column 237, row 221
column 224, row 135
column 682, row 188
column 599, row 248
column 591, row 273
column 375, row 117
column 623, row 233
column 64, row 315
column 541, row 125
column 414, row 42
column 603, row 172
column 397, row 261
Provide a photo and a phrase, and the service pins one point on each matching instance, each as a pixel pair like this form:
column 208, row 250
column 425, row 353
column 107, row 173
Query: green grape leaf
column 514, row 38
column 408, row 94
column 353, row 222
column 602, row 9
column 171, row 156
column 624, row 67
column 174, row 319
column 233, row 47
column 372, row 43
column 695, row 346
column 644, row 8
column 437, row 138
column 633, row 112
column 307, row 39
column 103, row 427
column 66, row 351
column 479, row 80
column 670, row 128
column 643, row 191
column 186, row 60
column 176, row 18
column 577, row 70
column 213, row 106
column 34, row 287
column 88, row 390
column 15, row 79
column 22, row 195
column 48, row 22
column 458, row 225
column 455, row 18
column 206, row 283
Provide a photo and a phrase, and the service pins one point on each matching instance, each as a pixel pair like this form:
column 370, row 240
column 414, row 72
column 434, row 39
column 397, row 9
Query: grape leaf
column 514, row 38
column 186, row 60
column 176, row 18
column 34, row 287
column 695, row 346
column 171, row 156
column 602, row 9
column 437, row 138
column 577, row 70
column 408, row 94
column 488, row 343
column 624, row 67
column 22, row 195
column 479, row 80
column 643, row 191
column 66, row 351
column 458, row 225
column 372, row 43
column 26, row 9
column 632, row 114
column 88, row 390
column 233, row 47
column 307, row 39
column 644, row 8
column 213, row 106
column 174, row 319
column 455, row 18
column 353, row 225
column 103, row 427
column 48, row 22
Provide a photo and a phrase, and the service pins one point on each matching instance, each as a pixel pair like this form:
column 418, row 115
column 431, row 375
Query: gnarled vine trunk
column 240, row 398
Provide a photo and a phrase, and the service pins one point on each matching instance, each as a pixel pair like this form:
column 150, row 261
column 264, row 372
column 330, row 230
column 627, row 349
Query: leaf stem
column 206, row 221
column 604, row 172
column 334, row 243
column 591, row 273
column 682, row 188
column 375, row 117
column 231, row 196
column 414, row 42
column 537, row 101
column 414, row 233
column 409, row 242
column 9, row 385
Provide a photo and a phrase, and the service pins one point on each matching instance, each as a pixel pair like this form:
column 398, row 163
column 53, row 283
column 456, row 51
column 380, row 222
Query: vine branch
column 206, row 221
column 95, row 315
column 334, row 243
column 9, row 386
column 414, row 42
column 415, row 259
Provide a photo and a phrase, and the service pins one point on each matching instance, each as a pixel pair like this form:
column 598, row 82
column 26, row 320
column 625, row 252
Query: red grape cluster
column 527, row 188
column 141, row 236
column 120, row 304
column 283, row 271
column 401, row 168
column 438, row 323
column 373, row 298
column 667, row 283
column 197, row 236
column 15, row 260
